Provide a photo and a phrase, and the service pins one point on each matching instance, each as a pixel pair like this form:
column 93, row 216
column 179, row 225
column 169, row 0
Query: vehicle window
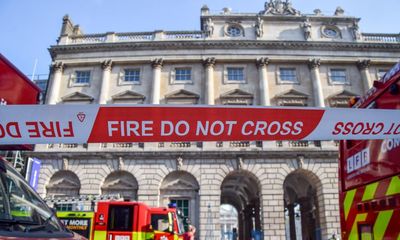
column 159, row 222
column 120, row 218
column 22, row 207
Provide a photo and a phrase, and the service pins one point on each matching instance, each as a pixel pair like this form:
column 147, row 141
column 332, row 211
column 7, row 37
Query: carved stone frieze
column 279, row 7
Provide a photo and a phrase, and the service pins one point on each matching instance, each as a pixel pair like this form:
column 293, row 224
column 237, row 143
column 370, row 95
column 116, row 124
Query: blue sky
column 29, row 27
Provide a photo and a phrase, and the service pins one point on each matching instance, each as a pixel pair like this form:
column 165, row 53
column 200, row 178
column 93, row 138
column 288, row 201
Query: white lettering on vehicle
column 358, row 160
column 390, row 144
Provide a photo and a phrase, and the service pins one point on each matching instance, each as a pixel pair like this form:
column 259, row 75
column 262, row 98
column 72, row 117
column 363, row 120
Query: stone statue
column 356, row 30
column 209, row 27
column 278, row 7
column 307, row 29
column 259, row 27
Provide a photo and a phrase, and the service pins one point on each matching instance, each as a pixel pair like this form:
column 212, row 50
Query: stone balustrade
column 381, row 38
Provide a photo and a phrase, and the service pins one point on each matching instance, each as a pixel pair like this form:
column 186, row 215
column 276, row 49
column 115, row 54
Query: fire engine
column 126, row 220
column 369, row 172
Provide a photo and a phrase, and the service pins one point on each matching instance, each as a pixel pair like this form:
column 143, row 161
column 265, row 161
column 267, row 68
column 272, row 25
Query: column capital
column 157, row 62
column 363, row 64
column 106, row 64
column 314, row 63
column 209, row 62
column 56, row 67
column 262, row 61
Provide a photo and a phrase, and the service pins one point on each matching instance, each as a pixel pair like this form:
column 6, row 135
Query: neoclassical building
column 276, row 57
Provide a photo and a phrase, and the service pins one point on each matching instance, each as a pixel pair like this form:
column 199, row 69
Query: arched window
column 122, row 183
column 63, row 184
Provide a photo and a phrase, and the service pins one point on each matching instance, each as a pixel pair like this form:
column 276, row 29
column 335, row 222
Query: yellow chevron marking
column 369, row 192
column 100, row 235
column 348, row 201
column 354, row 229
column 381, row 223
column 394, row 186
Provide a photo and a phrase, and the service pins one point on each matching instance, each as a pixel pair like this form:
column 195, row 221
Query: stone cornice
column 221, row 44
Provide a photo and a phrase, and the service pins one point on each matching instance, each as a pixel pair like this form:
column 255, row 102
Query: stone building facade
column 277, row 57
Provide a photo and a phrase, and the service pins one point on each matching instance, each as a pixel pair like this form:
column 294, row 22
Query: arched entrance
column 63, row 183
column 241, row 189
column 301, row 206
column 182, row 188
column 120, row 183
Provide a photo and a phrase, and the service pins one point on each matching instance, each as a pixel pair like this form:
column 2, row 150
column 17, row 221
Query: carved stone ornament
column 157, row 63
column 239, row 163
column 279, row 7
column 307, row 29
column 314, row 63
column 57, row 67
column 64, row 163
column 179, row 163
column 209, row 62
column 355, row 30
column 120, row 163
column 106, row 64
column 263, row 61
column 300, row 161
column 259, row 27
column 339, row 11
column 363, row 64
column 208, row 27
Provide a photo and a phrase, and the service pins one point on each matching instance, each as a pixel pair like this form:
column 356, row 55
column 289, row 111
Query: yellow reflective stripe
column 142, row 235
column 348, row 201
column 366, row 236
column 100, row 235
column 394, row 186
column 398, row 237
column 369, row 192
column 381, row 223
column 354, row 229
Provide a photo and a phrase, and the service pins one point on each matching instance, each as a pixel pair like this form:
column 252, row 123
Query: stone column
column 155, row 94
column 209, row 66
column 56, row 69
column 262, row 64
column 314, row 64
column 363, row 66
column 106, row 66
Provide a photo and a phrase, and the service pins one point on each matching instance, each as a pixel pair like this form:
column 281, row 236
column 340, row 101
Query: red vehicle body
column 369, row 173
column 16, row 88
column 122, row 220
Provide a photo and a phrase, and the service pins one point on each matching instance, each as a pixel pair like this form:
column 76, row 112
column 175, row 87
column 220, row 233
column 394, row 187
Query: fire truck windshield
column 21, row 209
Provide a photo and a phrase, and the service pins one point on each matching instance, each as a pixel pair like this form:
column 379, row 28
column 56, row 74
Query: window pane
column 120, row 218
column 183, row 74
column 159, row 222
column 381, row 73
column 338, row 75
column 235, row 74
column 132, row 75
column 82, row 77
column 288, row 74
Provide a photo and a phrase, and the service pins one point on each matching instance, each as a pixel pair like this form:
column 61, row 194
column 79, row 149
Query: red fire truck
column 121, row 220
column 370, row 172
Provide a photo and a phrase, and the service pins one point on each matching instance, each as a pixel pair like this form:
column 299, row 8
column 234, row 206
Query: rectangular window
column 235, row 74
column 183, row 206
column 338, row 76
column 62, row 207
column 82, row 77
column 183, row 74
column 288, row 75
column 159, row 222
column 132, row 75
column 120, row 218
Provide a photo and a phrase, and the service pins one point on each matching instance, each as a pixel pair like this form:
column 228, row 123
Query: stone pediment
column 120, row 184
column 182, row 94
column 77, row 97
column 128, row 95
column 180, row 184
column 64, row 183
column 341, row 99
column 237, row 97
column 292, row 98
column 183, row 97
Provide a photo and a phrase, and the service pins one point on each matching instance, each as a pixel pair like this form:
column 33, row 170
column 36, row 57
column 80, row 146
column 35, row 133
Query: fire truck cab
column 369, row 172
column 121, row 220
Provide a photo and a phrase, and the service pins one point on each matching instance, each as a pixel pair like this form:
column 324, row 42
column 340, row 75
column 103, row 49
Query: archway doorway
column 241, row 190
column 228, row 215
column 301, row 206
